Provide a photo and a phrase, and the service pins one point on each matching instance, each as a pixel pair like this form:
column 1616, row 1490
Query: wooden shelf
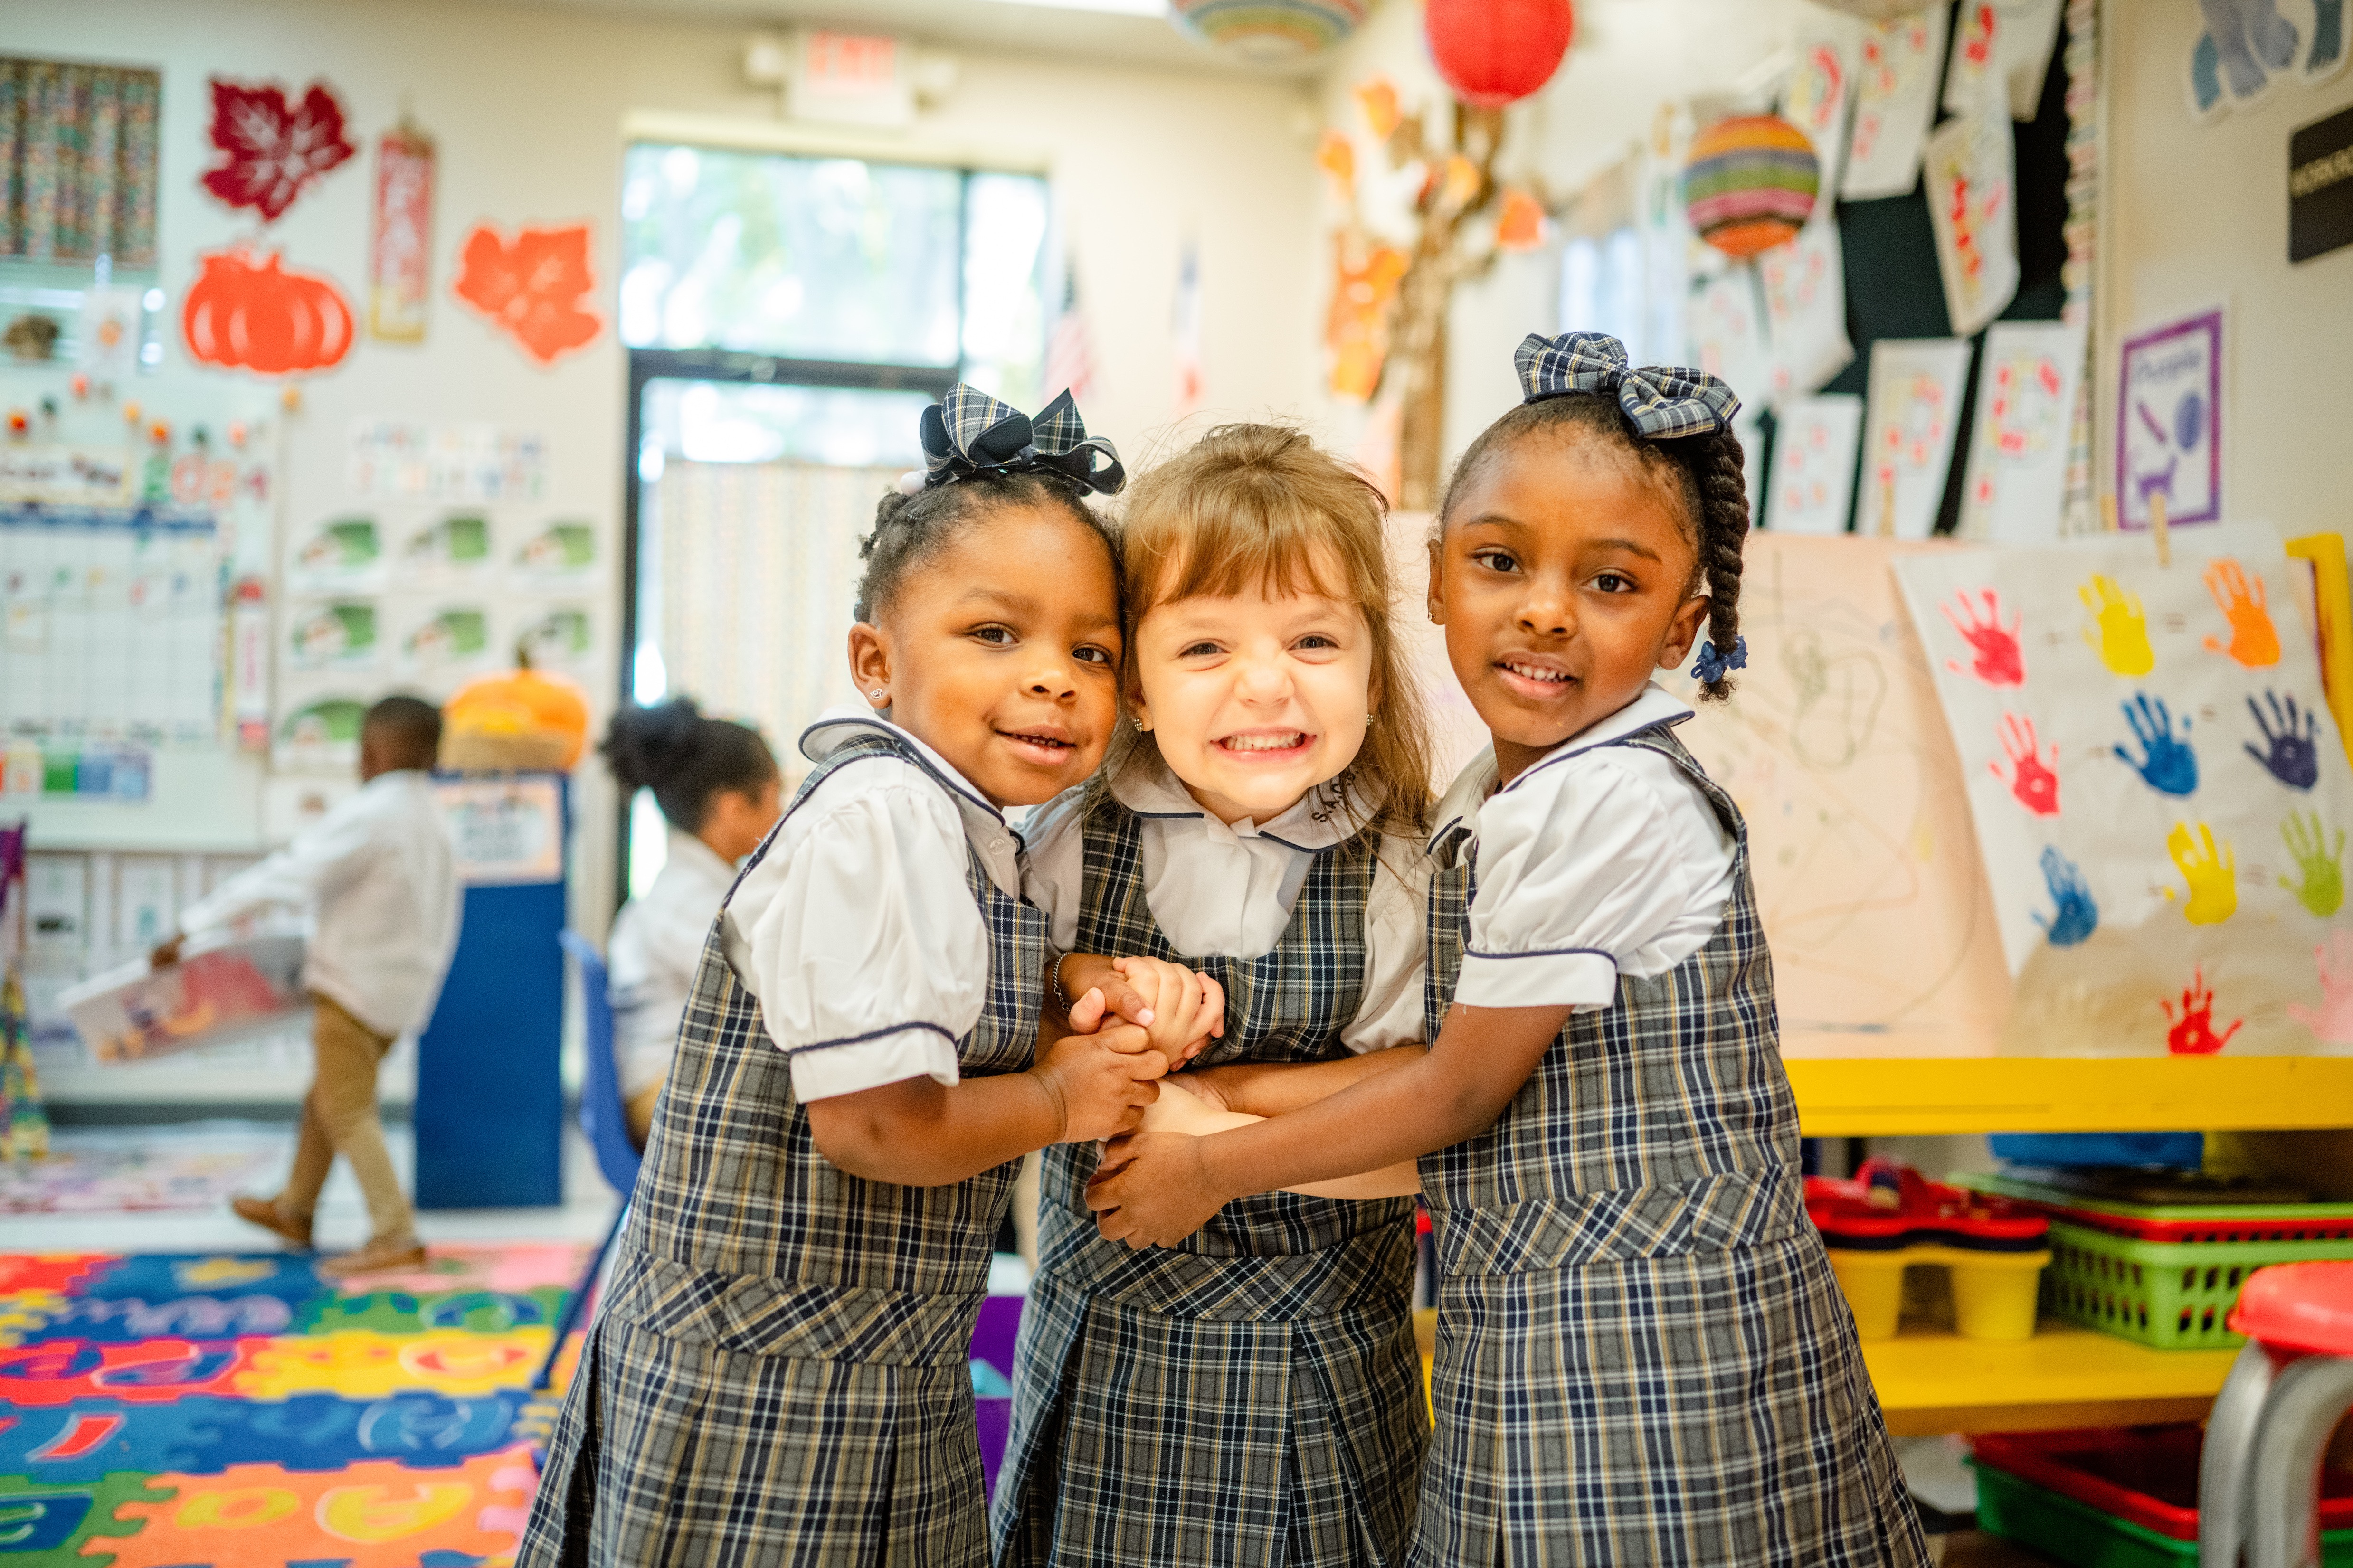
column 1879, row 1097
column 2064, row 1377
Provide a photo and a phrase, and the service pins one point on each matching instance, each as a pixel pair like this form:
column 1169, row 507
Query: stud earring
column 1368, row 719
column 875, row 695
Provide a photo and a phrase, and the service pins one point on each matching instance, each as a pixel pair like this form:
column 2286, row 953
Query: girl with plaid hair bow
column 1643, row 1354
column 1254, row 1396
column 778, row 1373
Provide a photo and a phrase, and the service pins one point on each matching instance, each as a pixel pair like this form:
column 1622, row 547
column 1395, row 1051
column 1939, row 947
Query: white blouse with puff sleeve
column 858, row 931
column 1227, row 892
column 1597, row 861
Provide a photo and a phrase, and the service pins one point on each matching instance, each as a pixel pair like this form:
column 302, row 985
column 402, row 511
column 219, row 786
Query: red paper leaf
column 533, row 288
column 273, row 150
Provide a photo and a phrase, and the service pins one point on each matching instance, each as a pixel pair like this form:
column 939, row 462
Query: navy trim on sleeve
column 870, row 1035
column 1470, row 951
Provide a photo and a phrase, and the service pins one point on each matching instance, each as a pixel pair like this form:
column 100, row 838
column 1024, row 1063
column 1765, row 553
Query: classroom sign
column 2157, row 787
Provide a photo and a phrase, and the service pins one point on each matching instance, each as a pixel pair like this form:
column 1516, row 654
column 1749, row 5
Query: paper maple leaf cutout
column 273, row 149
column 532, row 288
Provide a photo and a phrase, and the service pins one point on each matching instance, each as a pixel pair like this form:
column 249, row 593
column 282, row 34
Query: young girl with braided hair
column 778, row 1372
column 1642, row 1355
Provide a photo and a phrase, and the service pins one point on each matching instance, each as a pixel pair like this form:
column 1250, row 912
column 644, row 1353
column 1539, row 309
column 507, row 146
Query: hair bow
column 1713, row 667
column 1664, row 402
column 969, row 433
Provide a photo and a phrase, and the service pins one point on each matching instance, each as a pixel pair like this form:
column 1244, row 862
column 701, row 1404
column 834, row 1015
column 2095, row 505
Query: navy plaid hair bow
column 1663, row 402
column 970, row 433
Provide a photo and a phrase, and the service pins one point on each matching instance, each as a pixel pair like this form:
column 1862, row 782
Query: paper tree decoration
column 273, row 150
column 1270, row 31
column 1494, row 52
column 532, row 288
column 249, row 313
column 1751, row 183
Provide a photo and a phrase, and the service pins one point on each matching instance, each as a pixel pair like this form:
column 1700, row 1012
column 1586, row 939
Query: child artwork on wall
column 1812, row 487
column 1908, row 444
column 1973, row 211
column 2249, row 46
column 2023, row 50
column 2169, row 422
column 1896, row 98
column 1817, row 94
column 1976, row 58
column 1726, row 324
column 1805, row 308
column 2158, row 790
column 2016, row 482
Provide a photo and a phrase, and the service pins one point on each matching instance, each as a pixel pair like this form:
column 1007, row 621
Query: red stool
column 2259, row 1483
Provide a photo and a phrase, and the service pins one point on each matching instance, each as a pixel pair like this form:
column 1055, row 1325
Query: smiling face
column 1563, row 579
column 1001, row 652
column 1254, row 699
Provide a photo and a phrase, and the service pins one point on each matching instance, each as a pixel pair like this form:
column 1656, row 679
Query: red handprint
column 2193, row 1033
column 1997, row 659
column 2033, row 782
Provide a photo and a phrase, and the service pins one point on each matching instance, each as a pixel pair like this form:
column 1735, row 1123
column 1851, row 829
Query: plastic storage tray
column 2119, row 1497
column 1887, row 1219
column 2171, row 1295
column 2173, row 1222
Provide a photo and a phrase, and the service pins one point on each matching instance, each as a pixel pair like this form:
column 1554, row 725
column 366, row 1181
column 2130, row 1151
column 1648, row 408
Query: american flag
column 1070, row 351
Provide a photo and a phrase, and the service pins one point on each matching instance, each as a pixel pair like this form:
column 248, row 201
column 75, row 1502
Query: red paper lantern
column 1492, row 52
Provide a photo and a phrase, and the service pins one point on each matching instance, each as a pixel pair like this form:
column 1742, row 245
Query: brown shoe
column 265, row 1213
column 376, row 1258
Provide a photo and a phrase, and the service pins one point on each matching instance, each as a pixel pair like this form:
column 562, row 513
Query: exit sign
column 858, row 78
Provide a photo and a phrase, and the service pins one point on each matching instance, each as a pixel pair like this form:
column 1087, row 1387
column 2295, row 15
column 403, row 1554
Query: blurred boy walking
column 379, row 871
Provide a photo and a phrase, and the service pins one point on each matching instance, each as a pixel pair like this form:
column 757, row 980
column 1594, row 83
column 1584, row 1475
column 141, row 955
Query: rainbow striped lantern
column 1270, row 32
column 1751, row 183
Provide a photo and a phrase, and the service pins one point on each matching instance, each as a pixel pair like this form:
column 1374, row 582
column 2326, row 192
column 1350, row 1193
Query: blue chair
column 604, row 1120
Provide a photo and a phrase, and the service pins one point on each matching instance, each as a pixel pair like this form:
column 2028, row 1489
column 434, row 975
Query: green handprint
column 2323, row 887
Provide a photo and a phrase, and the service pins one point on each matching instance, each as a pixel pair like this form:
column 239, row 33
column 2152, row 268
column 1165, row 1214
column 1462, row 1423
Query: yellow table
column 1873, row 1097
column 2064, row 1377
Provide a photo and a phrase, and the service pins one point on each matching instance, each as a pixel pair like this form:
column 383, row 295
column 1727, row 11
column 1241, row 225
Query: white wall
column 527, row 106
column 2199, row 214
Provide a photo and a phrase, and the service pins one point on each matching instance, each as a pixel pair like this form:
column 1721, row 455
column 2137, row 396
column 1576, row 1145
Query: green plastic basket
column 2086, row 1537
column 2176, row 1296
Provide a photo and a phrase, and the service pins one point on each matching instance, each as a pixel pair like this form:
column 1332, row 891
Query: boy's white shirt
column 1227, row 892
column 857, row 930
column 380, row 873
column 653, row 953
column 1597, row 861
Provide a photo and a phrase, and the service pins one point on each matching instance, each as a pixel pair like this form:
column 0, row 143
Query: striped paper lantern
column 1270, row 32
column 1751, row 183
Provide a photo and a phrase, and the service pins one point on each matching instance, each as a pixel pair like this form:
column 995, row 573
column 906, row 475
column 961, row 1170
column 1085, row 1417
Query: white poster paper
column 1915, row 403
column 1895, row 99
column 1820, row 89
column 1974, row 66
column 2158, row 789
column 1727, row 333
column 1813, row 464
column 1804, row 284
column 1973, row 208
column 2022, row 48
column 467, row 464
column 112, row 329
column 2016, row 483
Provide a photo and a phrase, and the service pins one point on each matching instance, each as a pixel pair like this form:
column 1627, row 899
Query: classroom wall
column 527, row 106
column 2199, row 213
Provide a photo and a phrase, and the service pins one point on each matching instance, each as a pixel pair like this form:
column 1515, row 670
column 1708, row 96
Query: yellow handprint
column 2123, row 641
column 2213, row 877
column 2253, row 641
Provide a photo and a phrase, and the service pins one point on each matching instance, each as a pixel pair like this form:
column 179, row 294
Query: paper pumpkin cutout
column 249, row 313
column 532, row 288
column 273, row 149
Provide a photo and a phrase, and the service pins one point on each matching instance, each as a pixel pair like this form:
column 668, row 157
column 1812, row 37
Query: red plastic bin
column 2146, row 1476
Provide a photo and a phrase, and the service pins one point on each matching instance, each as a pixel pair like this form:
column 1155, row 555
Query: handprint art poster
column 2158, row 789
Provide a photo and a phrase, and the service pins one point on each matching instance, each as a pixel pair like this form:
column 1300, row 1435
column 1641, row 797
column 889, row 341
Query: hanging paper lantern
column 1492, row 52
column 1751, row 183
column 1270, row 32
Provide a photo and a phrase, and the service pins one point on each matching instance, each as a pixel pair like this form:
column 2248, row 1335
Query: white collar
column 692, row 853
column 984, row 827
column 1655, row 706
column 1146, row 787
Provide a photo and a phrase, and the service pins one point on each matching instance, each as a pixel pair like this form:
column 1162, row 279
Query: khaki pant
column 339, row 1117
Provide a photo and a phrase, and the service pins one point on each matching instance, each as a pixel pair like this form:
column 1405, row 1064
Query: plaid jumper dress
column 1254, row 1396
column 780, row 1372
column 1642, row 1355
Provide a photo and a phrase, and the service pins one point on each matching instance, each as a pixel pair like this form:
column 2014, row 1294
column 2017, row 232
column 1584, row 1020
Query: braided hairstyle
column 1703, row 472
column 910, row 530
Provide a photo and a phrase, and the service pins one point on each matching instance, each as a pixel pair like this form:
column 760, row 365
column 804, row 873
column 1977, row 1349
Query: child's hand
column 1182, row 1010
column 1153, row 1190
column 1099, row 1083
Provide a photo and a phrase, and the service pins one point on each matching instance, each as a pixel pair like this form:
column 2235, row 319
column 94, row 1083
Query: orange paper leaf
column 1521, row 225
column 533, row 288
column 1337, row 158
column 1377, row 96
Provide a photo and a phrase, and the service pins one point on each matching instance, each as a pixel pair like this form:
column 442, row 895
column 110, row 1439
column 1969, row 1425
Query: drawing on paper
column 1812, row 487
column 2169, row 392
column 1915, row 397
column 1896, row 98
column 2015, row 484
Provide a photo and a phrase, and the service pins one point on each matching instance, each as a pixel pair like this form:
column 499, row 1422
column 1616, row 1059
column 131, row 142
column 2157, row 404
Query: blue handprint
column 2077, row 916
column 2168, row 765
column 2291, row 752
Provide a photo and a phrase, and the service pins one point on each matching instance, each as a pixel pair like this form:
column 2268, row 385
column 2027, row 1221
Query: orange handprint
column 2193, row 1033
column 2212, row 876
column 2254, row 642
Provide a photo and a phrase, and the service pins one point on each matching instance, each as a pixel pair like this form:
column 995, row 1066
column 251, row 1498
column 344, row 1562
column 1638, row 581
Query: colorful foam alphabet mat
column 171, row 1411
